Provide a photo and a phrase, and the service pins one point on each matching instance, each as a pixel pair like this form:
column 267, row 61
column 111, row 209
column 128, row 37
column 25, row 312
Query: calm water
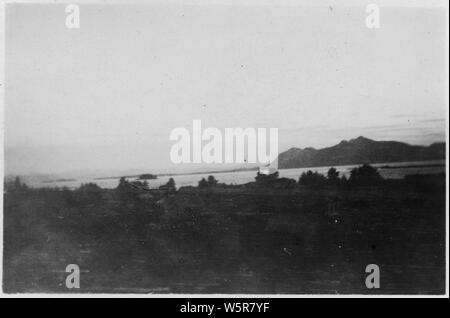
column 396, row 170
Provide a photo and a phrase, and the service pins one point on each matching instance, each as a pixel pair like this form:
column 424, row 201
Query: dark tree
column 207, row 183
column 203, row 183
column 169, row 186
column 123, row 183
column 212, row 181
column 266, row 179
column 365, row 175
column 333, row 176
column 15, row 186
column 124, row 188
column 171, row 183
column 310, row 178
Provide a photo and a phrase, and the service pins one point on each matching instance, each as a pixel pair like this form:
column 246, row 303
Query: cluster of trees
column 362, row 175
column 310, row 178
column 207, row 183
column 170, row 186
column 15, row 185
column 125, row 185
column 365, row 175
column 266, row 178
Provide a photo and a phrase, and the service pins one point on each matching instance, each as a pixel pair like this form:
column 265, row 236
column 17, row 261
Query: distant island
column 59, row 180
column 147, row 176
column 144, row 176
column 358, row 151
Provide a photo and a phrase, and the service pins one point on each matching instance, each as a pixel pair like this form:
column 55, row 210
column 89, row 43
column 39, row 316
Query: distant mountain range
column 358, row 151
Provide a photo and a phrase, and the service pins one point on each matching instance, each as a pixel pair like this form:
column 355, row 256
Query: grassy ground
column 229, row 239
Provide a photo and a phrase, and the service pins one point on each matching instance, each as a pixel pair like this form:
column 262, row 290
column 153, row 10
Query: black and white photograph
column 254, row 148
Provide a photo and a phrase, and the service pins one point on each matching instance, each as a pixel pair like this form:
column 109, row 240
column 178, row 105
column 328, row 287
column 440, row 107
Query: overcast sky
column 106, row 96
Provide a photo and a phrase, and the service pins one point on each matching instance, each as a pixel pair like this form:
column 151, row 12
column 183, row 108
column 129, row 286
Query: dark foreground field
column 255, row 239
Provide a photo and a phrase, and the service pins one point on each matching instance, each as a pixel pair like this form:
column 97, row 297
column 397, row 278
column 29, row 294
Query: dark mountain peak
column 295, row 149
column 361, row 139
column 358, row 151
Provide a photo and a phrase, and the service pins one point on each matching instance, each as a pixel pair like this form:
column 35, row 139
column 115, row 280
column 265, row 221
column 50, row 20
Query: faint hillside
column 358, row 151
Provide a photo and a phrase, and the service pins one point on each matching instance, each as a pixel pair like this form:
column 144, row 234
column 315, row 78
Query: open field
column 228, row 239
